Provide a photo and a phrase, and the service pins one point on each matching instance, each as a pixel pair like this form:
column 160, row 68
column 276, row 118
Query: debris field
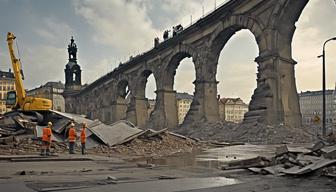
column 20, row 135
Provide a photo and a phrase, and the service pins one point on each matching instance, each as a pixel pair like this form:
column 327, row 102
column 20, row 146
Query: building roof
column 58, row 85
column 315, row 93
column 6, row 74
column 232, row 101
column 180, row 96
column 52, row 84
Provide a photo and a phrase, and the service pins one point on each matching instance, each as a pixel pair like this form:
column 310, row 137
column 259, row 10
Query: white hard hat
column 49, row 123
column 72, row 124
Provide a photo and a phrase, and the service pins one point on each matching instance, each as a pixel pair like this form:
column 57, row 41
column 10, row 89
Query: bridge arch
column 230, row 26
column 166, row 103
column 121, row 96
column 140, row 105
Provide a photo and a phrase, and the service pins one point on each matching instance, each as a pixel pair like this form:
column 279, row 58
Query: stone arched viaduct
column 274, row 101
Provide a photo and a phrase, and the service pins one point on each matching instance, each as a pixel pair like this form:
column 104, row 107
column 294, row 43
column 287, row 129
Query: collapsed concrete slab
column 115, row 133
column 329, row 152
column 74, row 117
column 309, row 168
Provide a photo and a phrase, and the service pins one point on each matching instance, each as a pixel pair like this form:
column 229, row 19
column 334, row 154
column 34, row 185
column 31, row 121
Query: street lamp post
column 324, row 130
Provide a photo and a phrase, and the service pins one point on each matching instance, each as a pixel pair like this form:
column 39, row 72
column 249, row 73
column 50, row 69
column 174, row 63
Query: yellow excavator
column 18, row 99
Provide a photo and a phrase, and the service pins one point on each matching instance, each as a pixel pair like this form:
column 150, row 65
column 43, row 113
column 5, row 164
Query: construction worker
column 46, row 140
column 72, row 138
column 83, row 138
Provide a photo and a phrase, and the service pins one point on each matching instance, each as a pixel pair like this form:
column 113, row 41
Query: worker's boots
column 48, row 152
column 43, row 152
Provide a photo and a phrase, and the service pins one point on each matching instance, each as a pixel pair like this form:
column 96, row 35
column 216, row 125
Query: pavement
column 98, row 173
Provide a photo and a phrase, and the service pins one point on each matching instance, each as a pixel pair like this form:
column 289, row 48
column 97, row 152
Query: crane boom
column 21, row 92
column 18, row 100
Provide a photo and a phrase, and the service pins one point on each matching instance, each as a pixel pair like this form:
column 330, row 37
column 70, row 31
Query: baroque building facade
column 7, row 83
column 232, row 109
column 183, row 103
column 311, row 106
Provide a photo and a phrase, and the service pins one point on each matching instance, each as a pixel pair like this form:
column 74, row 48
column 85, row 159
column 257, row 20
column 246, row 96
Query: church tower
column 72, row 70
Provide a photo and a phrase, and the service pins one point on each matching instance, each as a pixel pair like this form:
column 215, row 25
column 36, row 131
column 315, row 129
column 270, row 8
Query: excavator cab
column 11, row 99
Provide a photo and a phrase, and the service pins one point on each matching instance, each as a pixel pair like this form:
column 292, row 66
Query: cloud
column 54, row 31
column 102, row 67
column 43, row 63
column 313, row 28
column 119, row 24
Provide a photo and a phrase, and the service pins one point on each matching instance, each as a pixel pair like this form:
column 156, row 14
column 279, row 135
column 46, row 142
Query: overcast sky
column 109, row 31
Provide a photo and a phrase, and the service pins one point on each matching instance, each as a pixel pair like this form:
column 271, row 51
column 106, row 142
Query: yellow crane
column 18, row 99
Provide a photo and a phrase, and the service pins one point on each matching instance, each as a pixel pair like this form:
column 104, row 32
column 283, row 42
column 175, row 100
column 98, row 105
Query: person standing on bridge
column 72, row 136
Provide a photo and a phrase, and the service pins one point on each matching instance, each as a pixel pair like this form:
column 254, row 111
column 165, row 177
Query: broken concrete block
column 317, row 146
column 6, row 140
column 247, row 163
column 292, row 160
column 112, row 178
column 309, row 168
column 329, row 152
column 296, row 150
column 329, row 171
column 304, row 160
column 255, row 170
column 288, row 165
column 281, row 150
column 274, row 170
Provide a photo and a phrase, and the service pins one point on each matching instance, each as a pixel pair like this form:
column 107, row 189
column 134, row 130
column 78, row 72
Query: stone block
column 329, row 152
column 281, row 150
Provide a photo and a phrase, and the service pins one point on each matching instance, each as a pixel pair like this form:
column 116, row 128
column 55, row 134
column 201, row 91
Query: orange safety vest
column 83, row 136
column 72, row 134
column 46, row 135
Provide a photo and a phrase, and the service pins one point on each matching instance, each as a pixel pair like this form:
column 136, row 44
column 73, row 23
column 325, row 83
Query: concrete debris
column 274, row 170
column 251, row 133
column 296, row 161
column 112, row 178
column 246, row 163
column 329, row 152
column 19, row 135
column 296, row 170
column 73, row 117
column 281, row 150
column 15, row 124
column 113, row 134
column 318, row 146
column 329, row 171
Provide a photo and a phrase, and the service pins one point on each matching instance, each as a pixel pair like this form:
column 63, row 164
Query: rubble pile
column 162, row 144
column 294, row 161
column 21, row 135
column 24, row 145
column 15, row 124
column 252, row 133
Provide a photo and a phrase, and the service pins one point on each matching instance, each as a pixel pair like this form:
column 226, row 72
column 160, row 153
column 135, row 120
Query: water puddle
column 215, row 157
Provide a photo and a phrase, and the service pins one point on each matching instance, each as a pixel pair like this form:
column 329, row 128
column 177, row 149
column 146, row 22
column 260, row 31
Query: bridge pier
column 119, row 110
column 166, row 101
column 205, row 104
column 289, row 96
column 275, row 100
column 141, row 111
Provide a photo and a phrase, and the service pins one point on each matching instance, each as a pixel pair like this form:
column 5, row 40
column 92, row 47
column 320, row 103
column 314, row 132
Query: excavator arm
column 17, row 70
